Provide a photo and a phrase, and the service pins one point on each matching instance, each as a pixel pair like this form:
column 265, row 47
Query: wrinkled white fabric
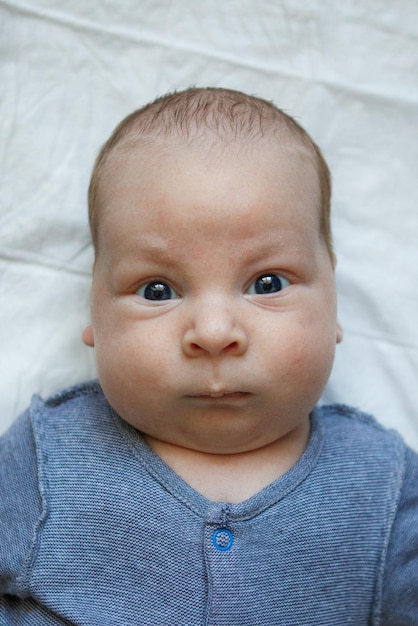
column 69, row 71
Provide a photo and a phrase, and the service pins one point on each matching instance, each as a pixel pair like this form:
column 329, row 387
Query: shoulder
column 83, row 394
column 22, row 497
column 361, row 458
column 66, row 415
column 366, row 455
column 347, row 426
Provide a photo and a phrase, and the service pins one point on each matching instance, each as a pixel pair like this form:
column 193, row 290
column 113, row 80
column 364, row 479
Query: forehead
column 213, row 183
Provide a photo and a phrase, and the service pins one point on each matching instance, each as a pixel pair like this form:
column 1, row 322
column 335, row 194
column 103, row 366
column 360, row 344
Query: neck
column 236, row 477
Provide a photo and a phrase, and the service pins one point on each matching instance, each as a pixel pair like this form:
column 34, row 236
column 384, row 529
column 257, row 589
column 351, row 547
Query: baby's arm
column 400, row 581
column 20, row 505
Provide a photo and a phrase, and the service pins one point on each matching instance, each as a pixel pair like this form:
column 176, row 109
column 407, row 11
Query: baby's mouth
column 227, row 395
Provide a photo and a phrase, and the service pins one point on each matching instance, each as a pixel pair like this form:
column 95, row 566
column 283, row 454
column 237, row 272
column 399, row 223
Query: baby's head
column 213, row 299
column 212, row 119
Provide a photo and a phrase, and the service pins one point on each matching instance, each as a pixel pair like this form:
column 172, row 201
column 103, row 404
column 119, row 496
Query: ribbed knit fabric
column 96, row 530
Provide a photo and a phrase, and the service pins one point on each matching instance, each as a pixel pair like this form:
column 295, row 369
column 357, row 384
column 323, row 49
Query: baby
column 197, row 483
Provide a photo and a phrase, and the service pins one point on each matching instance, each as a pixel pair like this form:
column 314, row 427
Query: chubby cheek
column 305, row 354
column 312, row 361
column 133, row 368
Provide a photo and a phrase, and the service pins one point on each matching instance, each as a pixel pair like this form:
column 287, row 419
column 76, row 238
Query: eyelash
column 264, row 284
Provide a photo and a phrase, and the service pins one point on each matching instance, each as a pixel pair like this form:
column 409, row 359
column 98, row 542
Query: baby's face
column 213, row 301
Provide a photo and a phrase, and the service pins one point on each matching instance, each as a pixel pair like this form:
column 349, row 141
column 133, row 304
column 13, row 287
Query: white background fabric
column 348, row 71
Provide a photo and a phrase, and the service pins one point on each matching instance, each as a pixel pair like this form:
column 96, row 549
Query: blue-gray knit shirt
column 96, row 530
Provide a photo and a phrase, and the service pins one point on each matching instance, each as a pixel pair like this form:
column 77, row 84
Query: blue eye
column 268, row 283
column 157, row 291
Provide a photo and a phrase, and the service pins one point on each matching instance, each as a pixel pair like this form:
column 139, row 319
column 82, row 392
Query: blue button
column 222, row 539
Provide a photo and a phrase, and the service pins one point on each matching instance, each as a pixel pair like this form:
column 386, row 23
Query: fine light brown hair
column 225, row 115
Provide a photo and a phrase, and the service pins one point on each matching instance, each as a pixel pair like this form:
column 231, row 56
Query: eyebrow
column 160, row 248
column 155, row 247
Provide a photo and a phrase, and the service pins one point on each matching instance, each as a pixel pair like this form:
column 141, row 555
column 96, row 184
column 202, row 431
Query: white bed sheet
column 69, row 71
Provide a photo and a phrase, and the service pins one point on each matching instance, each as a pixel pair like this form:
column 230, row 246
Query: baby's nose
column 214, row 330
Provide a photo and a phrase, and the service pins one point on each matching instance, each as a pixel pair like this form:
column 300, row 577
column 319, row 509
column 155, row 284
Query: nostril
column 214, row 348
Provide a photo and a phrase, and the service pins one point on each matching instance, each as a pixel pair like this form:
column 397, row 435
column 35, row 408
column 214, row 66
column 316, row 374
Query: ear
column 339, row 333
column 339, row 336
column 88, row 336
